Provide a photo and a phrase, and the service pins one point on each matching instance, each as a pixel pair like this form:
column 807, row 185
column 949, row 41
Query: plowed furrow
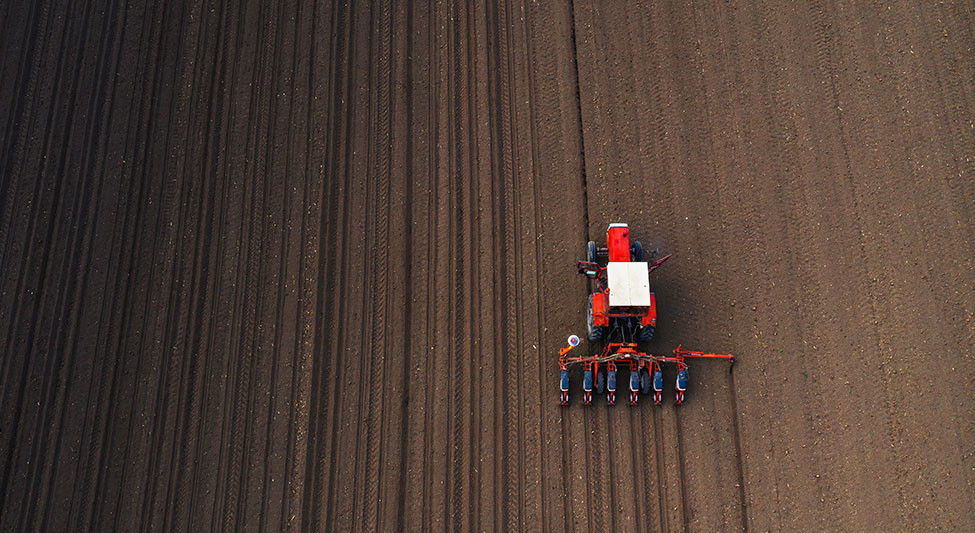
column 376, row 379
column 75, row 289
column 323, row 366
column 229, row 314
column 342, row 312
column 45, row 280
column 457, row 511
column 309, row 265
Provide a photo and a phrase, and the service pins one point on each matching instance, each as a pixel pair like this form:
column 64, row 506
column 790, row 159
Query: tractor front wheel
column 591, row 255
column 636, row 252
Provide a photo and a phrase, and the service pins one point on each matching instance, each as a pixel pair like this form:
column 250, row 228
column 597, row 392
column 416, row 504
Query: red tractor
column 621, row 312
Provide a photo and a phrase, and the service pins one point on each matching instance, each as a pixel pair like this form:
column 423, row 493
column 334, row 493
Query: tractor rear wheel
column 646, row 333
column 595, row 332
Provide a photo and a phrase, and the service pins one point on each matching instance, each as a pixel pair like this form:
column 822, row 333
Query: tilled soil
column 275, row 265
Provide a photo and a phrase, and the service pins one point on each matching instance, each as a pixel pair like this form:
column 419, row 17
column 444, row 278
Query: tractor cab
column 629, row 287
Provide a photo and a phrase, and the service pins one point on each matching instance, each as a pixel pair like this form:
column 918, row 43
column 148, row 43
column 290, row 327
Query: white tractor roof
column 629, row 284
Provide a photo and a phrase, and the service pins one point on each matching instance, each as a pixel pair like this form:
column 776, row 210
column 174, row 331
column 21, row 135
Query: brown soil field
column 308, row 265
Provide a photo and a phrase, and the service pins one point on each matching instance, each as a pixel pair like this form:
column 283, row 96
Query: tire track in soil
column 499, row 275
column 339, row 479
column 367, row 364
column 300, row 418
column 685, row 514
column 136, row 157
column 293, row 270
column 260, row 275
column 153, row 43
column 462, row 281
column 729, row 44
column 658, row 441
column 314, row 235
column 231, row 306
column 956, row 80
column 444, row 356
column 408, row 274
column 56, row 388
column 251, row 277
column 536, row 461
column 393, row 452
column 223, row 308
column 56, row 205
column 417, row 457
column 474, row 238
column 274, row 465
column 215, row 301
column 91, row 479
column 511, row 331
column 741, row 464
column 456, row 317
column 325, row 367
column 846, row 193
column 14, row 202
column 728, row 40
column 915, row 107
column 276, row 202
column 24, row 87
column 175, row 205
column 90, row 196
column 454, row 281
column 484, row 446
column 251, row 507
column 379, row 352
column 339, row 167
column 200, row 342
column 367, row 288
column 163, row 382
column 192, row 280
column 779, row 138
column 451, row 249
column 544, row 100
column 458, row 511
column 593, row 516
column 428, row 374
column 17, row 203
column 13, row 315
